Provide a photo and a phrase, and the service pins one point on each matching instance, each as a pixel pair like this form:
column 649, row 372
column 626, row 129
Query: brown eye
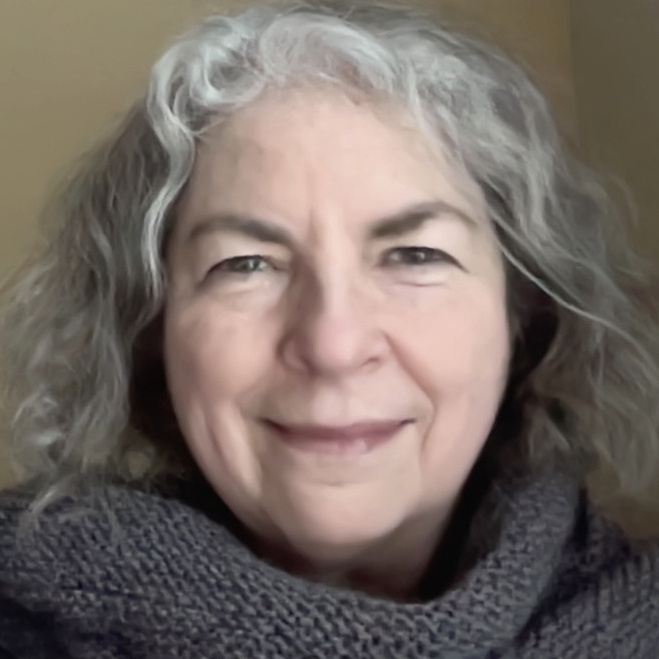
column 416, row 256
column 241, row 265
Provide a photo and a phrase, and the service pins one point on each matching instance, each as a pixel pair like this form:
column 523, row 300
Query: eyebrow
column 400, row 223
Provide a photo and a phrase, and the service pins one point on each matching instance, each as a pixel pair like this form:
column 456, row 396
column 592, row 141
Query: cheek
column 210, row 356
column 458, row 355
column 457, row 344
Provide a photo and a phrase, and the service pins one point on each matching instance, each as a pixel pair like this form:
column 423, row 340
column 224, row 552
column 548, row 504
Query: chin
column 330, row 533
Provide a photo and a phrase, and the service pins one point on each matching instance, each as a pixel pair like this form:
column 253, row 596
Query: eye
column 417, row 256
column 241, row 265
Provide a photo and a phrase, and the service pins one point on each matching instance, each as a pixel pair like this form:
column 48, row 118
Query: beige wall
column 616, row 64
column 69, row 68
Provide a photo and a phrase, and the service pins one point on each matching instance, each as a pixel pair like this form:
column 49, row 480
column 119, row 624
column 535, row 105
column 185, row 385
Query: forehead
column 296, row 153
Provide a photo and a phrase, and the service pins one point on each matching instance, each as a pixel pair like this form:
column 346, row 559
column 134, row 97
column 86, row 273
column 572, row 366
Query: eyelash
column 425, row 256
column 225, row 266
column 431, row 256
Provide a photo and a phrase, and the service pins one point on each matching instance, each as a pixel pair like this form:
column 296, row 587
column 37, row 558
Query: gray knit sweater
column 148, row 575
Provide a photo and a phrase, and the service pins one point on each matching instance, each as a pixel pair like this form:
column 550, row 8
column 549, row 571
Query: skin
column 339, row 326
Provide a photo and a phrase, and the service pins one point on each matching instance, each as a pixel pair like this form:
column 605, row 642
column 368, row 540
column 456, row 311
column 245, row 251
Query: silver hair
column 80, row 325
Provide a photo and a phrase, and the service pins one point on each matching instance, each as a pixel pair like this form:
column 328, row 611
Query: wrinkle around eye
column 225, row 265
column 431, row 257
column 225, row 277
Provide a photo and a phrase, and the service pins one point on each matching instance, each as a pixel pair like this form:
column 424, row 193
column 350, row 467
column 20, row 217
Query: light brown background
column 69, row 68
column 615, row 48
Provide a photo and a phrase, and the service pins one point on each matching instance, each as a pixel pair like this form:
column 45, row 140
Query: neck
column 391, row 568
column 417, row 562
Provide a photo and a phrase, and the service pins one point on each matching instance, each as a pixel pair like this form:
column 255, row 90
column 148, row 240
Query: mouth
column 355, row 438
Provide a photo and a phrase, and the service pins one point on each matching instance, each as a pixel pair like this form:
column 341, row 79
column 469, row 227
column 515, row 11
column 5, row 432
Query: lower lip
column 337, row 445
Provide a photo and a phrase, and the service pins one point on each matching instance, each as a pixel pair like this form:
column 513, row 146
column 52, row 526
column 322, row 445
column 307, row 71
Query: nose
column 332, row 329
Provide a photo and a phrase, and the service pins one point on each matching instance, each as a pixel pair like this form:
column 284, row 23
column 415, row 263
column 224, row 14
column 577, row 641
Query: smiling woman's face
column 336, row 339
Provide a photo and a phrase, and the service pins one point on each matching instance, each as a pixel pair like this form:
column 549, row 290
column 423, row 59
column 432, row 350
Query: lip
column 358, row 437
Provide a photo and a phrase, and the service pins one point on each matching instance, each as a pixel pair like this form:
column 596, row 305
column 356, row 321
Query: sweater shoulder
column 606, row 591
column 600, row 551
column 118, row 539
column 604, row 545
column 109, row 574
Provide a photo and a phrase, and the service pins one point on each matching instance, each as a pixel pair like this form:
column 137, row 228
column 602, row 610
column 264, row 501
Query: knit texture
column 146, row 575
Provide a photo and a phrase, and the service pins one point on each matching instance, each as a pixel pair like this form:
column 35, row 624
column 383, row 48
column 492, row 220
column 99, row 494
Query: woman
column 335, row 352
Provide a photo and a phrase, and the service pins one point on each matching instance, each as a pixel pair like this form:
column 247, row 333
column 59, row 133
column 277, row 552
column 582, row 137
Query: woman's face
column 336, row 339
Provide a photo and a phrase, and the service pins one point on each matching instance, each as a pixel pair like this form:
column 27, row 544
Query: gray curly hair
column 80, row 327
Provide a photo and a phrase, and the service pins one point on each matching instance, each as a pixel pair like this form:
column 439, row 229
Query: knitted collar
column 514, row 546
